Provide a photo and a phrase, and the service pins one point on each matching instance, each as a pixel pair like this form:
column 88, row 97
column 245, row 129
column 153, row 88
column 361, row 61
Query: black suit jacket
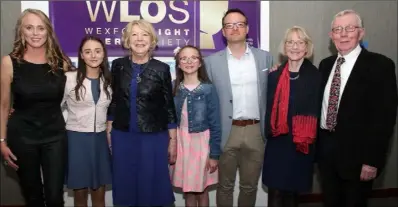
column 366, row 116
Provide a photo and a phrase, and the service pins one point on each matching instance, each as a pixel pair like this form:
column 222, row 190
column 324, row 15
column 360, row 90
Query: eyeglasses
column 299, row 43
column 348, row 28
column 193, row 59
column 232, row 25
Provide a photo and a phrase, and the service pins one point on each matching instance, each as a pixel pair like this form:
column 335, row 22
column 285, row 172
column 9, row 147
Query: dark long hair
column 82, row 68
column 202, row 74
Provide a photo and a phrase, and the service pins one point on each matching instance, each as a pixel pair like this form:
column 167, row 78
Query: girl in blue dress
column 87, row 97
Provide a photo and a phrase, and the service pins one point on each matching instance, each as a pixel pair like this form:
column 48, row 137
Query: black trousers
column 42, row 160
column 280, row 198
column 338, row 191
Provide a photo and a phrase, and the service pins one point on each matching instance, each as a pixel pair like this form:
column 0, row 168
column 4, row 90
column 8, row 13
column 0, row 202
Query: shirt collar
column 247, row 52
column 353, row 54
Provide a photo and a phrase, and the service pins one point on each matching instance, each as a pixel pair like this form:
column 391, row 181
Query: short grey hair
column 348, row 11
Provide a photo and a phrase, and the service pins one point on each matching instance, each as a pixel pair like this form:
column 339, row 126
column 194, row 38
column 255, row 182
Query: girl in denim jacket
column 199, row 128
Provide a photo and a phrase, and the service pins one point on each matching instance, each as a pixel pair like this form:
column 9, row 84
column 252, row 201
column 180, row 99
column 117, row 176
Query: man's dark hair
column 234, row 10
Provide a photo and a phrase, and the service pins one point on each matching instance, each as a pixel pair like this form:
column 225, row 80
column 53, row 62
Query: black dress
column 36, row 132
column 284, row 167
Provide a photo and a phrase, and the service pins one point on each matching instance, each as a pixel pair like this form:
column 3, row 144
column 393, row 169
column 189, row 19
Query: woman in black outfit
column 291, row 121
column 33, row 139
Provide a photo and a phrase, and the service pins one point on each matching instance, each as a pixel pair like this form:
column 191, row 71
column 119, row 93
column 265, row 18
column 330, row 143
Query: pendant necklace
column 295, row 78
column 142, row 68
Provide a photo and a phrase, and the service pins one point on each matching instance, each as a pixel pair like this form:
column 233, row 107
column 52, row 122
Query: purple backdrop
column 191, row 22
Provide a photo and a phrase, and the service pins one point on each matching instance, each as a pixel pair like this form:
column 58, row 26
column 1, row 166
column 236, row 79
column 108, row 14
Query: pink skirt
column 189, row 172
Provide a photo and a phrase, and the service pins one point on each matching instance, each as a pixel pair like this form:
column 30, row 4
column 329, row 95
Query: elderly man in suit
column 239, row 74
column 359, row 109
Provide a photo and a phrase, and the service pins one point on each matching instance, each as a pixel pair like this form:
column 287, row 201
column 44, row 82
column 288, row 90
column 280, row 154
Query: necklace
column 142, row 67
column 295, row 78
column 138, row 74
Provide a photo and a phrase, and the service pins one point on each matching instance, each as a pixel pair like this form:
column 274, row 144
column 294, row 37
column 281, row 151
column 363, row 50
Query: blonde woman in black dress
column 33, row 140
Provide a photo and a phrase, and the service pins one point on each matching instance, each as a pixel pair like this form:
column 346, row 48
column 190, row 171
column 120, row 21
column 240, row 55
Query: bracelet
column 3, row 140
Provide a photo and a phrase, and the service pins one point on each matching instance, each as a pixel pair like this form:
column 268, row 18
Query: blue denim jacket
column 203, row 113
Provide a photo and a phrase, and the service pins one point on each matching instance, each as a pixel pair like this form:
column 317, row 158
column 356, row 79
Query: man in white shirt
column 239, row 74
column 359, row 109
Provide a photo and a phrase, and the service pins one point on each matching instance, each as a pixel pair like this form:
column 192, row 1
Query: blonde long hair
column 54, row 54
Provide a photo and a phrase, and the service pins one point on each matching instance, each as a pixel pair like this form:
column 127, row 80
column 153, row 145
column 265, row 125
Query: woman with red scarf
column 291, row 121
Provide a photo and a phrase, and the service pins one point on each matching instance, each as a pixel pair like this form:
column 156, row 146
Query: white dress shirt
column 345, row 71
column 243, row 77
